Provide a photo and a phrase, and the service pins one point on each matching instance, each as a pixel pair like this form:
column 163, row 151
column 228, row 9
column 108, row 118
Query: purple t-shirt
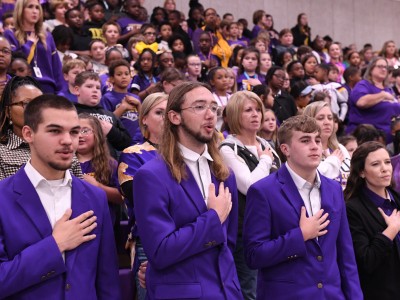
column 245, row 86
column 142, row 82
column 129, row 119
column 67, row 94
column 87, row 168
column 378, row 115
column 127, row 24
column 238, row 42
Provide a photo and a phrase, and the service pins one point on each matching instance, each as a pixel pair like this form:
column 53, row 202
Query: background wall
column 347, row 21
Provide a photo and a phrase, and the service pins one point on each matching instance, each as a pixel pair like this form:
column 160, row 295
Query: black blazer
column 377, row 257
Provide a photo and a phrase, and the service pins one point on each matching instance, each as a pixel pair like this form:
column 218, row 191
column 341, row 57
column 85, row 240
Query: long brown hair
column 355, row 182
column 168, row 147
column 101, row 161
column 18, row 16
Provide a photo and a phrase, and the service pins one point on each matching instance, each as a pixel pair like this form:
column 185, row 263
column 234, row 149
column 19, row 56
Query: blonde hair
column 101, row 161
column 168, row 147
column 149, row 102
column 73, row 63
column 234, row 109
column 18, row 16
column 234, row 88
column 56, row 3
column 312, row 110
column 262, row 134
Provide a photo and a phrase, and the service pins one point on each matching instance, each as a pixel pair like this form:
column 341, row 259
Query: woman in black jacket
column 374, row 219
column 301, row 32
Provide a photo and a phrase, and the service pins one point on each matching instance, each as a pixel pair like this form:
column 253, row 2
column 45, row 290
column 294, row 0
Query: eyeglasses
column 202, row 108
column 5, row 51
column 212, row 14
column 149, row 33
column 280, row 77
column 22, row 103
column 86, row 131
column 194, row 65
column 382, row 67
column 174, row 84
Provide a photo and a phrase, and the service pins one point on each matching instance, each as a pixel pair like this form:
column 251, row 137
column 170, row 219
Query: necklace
column 151, row 143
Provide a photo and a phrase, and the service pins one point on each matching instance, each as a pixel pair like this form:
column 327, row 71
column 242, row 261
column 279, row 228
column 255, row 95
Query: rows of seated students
column 112, row 57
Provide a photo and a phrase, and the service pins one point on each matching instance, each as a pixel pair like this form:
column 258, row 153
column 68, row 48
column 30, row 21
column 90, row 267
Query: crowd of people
column 250, row 163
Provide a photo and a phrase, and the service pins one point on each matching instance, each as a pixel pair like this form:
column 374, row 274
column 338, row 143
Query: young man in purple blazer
column 295, row 228
column 186, row 205
column 56, row 238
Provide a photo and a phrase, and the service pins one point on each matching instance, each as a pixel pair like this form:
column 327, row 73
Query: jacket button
column 319, row 258
column 67, row 286
column 320, row 285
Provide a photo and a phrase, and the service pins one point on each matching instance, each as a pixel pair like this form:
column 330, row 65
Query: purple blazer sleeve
column 107, row 281
column 234, row 214
column 23, row 271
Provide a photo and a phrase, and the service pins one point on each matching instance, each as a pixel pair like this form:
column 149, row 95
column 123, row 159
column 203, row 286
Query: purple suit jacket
column 290, row 268
column 189, row 251
column 31, row 265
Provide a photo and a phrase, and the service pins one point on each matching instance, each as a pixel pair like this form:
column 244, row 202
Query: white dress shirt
column 200, row 168
column 55, row 195
column 309, row 192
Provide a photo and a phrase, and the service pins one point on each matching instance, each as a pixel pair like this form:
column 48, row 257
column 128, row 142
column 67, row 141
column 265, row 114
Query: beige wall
column 347, row 21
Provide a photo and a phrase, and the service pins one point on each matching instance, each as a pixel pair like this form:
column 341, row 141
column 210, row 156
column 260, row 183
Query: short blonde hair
column 56, row 3
column 73, row 63
column 148, row 103
column 234, row 109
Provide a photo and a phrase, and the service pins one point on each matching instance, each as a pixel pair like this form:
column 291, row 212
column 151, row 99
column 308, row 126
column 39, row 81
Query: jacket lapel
column 30, row 203
column 326, row 203
column 291, row 193
column 193, row 192
column 79, row 205
column 289, row 189
column 373, row 210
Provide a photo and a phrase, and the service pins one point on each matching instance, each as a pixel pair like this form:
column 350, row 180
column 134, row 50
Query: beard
column 201, row 138
column 61, row 166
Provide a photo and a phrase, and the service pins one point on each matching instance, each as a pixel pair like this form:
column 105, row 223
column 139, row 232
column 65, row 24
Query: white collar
column 301, row 182
column 193, row 156
column 36, row 178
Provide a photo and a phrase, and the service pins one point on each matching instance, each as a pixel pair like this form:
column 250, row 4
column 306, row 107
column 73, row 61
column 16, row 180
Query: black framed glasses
column 6, row 51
